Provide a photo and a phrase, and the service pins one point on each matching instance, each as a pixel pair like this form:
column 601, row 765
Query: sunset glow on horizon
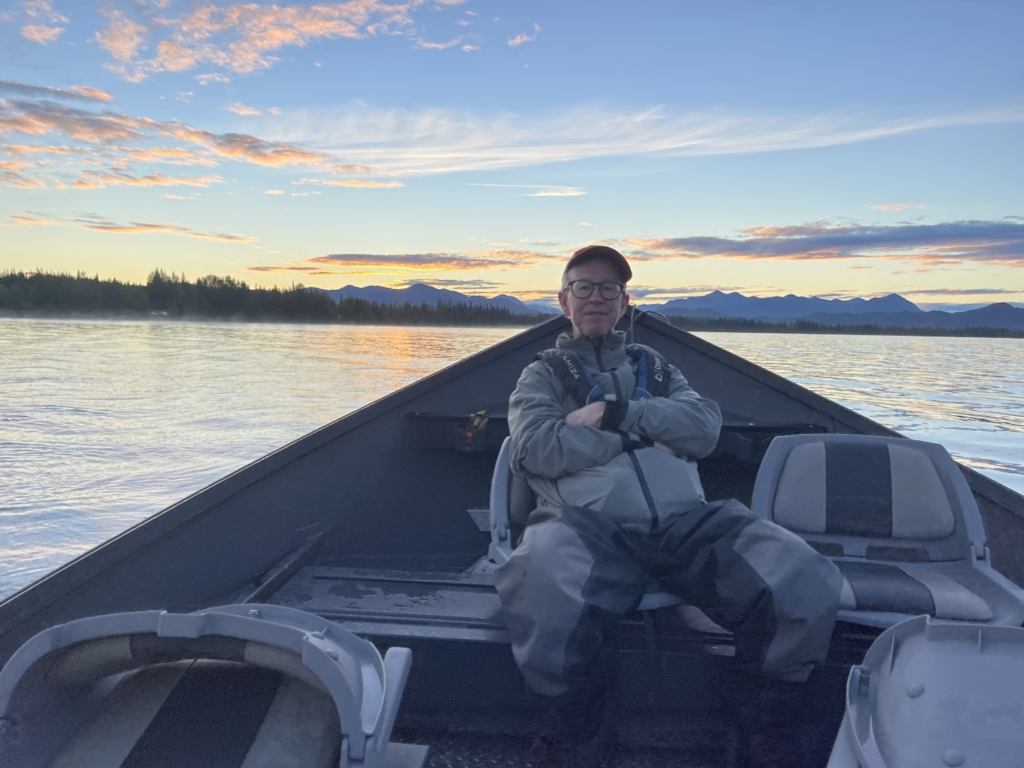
column 474, row 144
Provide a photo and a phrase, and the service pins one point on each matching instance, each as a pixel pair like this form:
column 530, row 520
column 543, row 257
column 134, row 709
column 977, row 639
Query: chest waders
column 652, row 377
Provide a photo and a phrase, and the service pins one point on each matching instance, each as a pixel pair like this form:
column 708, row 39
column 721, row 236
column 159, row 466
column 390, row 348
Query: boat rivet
column 953, row 758
column 334, row 655
column 915, row 690
column 254, row 613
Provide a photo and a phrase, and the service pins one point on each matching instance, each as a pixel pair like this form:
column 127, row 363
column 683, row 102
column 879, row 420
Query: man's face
column 594, row 316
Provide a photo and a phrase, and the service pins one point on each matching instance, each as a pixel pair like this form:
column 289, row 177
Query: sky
column 825, row 149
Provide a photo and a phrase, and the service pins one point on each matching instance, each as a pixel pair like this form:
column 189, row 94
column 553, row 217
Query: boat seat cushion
column 208, row 714
column 883, row 491
column 887, row 587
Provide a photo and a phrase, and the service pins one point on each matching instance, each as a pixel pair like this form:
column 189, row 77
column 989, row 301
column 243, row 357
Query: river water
column 103, row 423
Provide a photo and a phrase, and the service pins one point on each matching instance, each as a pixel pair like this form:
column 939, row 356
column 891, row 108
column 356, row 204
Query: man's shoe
column 577, row 728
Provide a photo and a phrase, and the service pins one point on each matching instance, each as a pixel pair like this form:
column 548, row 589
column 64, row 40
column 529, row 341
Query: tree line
column 213, row 297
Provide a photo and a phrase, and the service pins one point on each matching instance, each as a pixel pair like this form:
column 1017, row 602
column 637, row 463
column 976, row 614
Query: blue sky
column 770, row 148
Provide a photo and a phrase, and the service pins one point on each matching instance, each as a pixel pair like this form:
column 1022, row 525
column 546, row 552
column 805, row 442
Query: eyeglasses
column 582, row 289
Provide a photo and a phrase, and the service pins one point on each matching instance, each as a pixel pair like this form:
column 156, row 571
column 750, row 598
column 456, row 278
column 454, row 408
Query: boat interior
column 385, row 523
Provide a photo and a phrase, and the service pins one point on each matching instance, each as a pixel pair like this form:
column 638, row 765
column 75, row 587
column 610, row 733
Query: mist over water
column 103, row 423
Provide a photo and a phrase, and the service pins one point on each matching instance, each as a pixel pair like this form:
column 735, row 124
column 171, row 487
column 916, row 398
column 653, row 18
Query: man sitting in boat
column 607, row 435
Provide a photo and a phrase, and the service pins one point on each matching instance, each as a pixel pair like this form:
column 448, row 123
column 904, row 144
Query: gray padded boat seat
column 232, row 687
column 897, row 518
column 932, row 693
column 208, row 714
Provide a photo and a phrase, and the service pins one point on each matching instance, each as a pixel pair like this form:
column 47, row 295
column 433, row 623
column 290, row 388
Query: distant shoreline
column 711, row 325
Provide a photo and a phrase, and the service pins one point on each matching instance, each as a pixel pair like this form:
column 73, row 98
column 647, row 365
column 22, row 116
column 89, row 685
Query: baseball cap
column 594, row 252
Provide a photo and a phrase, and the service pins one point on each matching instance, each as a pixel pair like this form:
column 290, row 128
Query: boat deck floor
column 468, row 740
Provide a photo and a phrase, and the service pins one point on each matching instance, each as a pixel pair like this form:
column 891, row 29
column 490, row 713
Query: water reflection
column 104, row 423
column 967, row 394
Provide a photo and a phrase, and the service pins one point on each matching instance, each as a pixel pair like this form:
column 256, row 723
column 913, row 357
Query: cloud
column 99, row 224
column 469, row 47
column 426, row 45
column 109, row 131
column 39, row 33
column 584, row 224
column 524, row 37
column 75, row 92
column 541, row 190
column 92, row 180
column 352, row 183
column 212, row 78
column 955, row 242
column 42, row 10
column 11, row 176
column 436, row 140
column 241, row 109
column 958, row 291
column 895, row 207
column 241, row 37
column 29, row 219
column 117, row 156
column 169, row 196
column 274, row 192
column 390, row 264
column 122, row 37
column 250, row 149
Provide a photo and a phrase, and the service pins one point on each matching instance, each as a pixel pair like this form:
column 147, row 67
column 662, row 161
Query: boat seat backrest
column 882, row 491
column 233, row 686
column 880, row 498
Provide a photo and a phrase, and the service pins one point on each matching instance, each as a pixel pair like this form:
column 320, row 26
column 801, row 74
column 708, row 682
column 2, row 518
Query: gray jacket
column 597, row 468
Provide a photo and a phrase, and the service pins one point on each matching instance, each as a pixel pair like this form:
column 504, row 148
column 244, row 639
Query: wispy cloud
column 958, row 291
column 434, row 140
column 274, row 192
column 354, row 183
column 29, row 219
column 93, row 180
column 953, row 242
column 427, row 45
column 397, row 264
column 241, row 37
column 524, row 37
column 12, row 175
column 75, row 92
column 212, row 77
column 895, row 207
column 541, row 190
column 484, row 286
column 103, row 136
column 100, row 224
column 241, row 109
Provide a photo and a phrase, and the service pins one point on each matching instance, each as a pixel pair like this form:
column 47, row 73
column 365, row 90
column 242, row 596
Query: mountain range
column 891, row 310
column 421, row 293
